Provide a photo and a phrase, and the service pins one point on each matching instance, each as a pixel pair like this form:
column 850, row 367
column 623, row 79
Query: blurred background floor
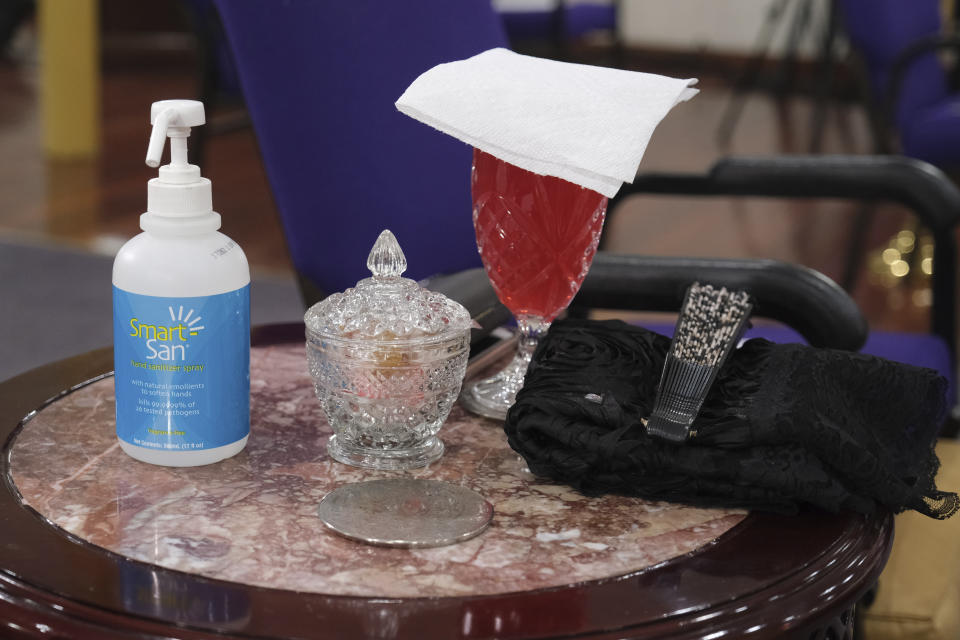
column 89, row 208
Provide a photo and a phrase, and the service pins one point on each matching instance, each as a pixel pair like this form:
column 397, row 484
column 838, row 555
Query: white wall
column 728, row 26
column 725, row 26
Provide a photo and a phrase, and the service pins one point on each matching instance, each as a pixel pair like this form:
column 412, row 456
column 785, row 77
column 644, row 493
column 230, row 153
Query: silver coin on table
column 405, row 512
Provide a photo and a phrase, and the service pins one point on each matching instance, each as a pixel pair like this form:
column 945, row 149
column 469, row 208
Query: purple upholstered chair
column 898, row 42
column 320, row 79
column 560, row 20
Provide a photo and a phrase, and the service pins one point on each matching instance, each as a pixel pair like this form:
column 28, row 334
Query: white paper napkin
column 588, row 125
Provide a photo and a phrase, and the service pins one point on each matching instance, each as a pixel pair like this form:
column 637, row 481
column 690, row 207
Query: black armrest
column 803, row 298
column 914, row 183
column 918, row 185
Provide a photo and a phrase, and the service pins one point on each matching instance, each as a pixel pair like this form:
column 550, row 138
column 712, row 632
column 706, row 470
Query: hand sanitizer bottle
column 181, row 315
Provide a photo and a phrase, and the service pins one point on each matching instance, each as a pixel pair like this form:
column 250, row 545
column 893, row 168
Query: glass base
column 390, row 459
column 493, row 396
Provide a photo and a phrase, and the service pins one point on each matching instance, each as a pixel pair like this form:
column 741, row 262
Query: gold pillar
column 70, row 77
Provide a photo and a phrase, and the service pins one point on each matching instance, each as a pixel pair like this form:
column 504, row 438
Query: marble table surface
column 252, row 518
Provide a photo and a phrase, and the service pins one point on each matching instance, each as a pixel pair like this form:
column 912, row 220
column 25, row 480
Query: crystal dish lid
column 386, row 306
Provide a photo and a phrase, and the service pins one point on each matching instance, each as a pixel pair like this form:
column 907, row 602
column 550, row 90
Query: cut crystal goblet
column 537, row 236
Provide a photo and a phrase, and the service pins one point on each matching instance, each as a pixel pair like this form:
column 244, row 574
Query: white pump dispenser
column 181, row 315
column 178, row 198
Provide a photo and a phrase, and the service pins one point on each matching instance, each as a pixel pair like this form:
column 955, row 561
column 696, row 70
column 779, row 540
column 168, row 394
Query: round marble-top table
column 95, row 544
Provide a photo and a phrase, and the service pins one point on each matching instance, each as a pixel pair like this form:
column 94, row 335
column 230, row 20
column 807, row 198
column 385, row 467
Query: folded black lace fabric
column 783, row 425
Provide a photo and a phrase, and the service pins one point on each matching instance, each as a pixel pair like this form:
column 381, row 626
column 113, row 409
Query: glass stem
column 531, row 328
column 492, row 397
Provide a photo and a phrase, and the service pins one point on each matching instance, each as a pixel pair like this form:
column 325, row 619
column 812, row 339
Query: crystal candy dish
column 387, row 359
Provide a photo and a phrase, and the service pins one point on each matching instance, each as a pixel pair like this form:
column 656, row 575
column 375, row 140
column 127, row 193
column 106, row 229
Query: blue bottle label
column 182, row 369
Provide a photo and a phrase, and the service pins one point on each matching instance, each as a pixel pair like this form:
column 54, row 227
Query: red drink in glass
column 537, row 235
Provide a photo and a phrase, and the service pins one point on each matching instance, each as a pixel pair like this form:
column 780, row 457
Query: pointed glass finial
column 386, row 259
